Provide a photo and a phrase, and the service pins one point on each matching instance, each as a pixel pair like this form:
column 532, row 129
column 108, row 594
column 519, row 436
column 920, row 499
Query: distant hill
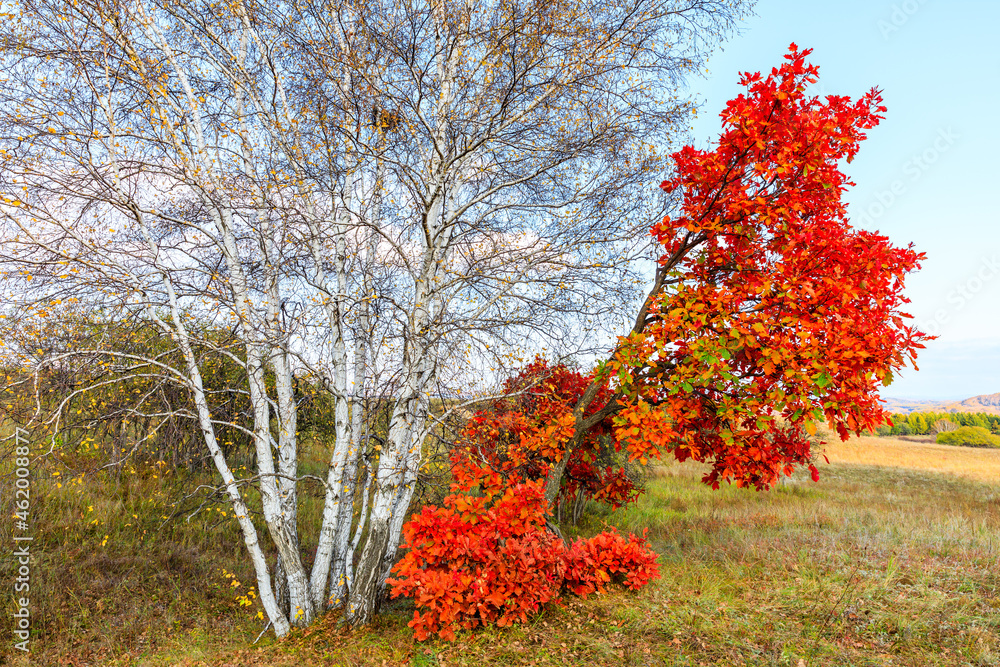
column 989, row 403
column 984, row 401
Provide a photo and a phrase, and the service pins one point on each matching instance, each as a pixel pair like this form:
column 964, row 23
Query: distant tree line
column 107, row 413
column 932, row 423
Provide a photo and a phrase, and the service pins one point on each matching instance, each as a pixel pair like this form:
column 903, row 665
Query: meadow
column 892, row 558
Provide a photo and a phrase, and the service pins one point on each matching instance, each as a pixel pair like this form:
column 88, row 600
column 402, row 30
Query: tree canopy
column 387, row 198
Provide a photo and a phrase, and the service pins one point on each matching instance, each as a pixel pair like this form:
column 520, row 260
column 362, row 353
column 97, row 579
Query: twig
column 261, row 633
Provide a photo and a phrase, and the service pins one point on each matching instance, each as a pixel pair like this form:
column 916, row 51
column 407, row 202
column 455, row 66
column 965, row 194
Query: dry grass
column 893, row 558
column 980, row 465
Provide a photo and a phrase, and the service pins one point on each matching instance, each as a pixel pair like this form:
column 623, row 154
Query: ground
column 890, row 559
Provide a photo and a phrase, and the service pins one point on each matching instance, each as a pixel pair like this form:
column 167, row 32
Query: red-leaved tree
column 769, row 313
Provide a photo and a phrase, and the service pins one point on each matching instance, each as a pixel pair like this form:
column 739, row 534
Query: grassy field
column 975, row 464
column 893, row 558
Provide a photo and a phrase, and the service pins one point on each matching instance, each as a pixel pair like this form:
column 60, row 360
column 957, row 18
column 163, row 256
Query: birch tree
column 390, row 198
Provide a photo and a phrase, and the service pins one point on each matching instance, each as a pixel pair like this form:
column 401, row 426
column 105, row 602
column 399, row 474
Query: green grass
column 873, row 565
column 111, row 577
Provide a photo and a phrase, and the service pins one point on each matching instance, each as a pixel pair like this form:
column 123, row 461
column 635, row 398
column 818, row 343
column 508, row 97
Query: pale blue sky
column 927, row 174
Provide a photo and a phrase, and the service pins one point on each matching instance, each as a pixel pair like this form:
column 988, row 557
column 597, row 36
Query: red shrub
column 473, row 562
column 609, row 557
column 469, row 563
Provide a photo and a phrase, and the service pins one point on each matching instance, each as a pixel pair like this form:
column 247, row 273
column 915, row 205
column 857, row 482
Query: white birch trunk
column 338, row 500
column 401, row 456
column 179, row 332
column 281, row 525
